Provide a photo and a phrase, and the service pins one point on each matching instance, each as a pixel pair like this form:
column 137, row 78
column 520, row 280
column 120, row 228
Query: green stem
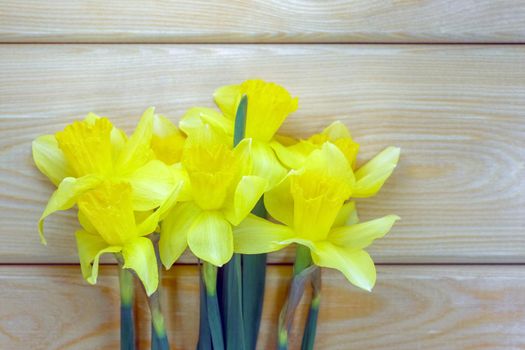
column 204, row 342
column 310, row 328
column 303, row 259
column 209, row 275
column 127, row 322
column 159, row 338
column 302, row 271
column 232, row 304
column 253, row 283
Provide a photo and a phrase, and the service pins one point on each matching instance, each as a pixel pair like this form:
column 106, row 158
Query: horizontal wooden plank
column 412, row 307
column 262, row 21
column 457, row 112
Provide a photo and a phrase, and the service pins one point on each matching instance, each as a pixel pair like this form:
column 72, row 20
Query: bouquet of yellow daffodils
column 225, row 185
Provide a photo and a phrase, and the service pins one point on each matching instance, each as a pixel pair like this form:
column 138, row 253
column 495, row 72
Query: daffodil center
column 168, row 149
column 212, row 172
column 109, row 209
column 87, row 146
column 317, row 200
column 268, row 106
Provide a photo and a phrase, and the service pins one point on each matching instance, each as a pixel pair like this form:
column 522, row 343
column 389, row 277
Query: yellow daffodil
column 167, row 141
column 369, row 177
column 88, row 152
column 310, row 202
column 268, row 106
column 294, row 154
column 222, row 194
column 110, row 226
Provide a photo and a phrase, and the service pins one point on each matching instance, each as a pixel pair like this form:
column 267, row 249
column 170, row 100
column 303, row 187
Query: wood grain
column 262, row 21
column 457, row 112
column 412, row 307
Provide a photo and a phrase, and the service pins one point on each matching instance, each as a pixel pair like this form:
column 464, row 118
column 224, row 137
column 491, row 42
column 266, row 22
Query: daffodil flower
column 268, row 106
column 369, row 177
column 167, row 141
column 294, row 154
column 110, row 226
column 167, row 144
column 88, row 152
column 310, row 202
column 223, row 192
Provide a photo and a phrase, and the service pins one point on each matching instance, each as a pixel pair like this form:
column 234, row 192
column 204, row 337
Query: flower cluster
column 196, row 188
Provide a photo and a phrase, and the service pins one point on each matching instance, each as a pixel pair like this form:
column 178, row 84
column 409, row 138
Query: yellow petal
column 248, row 192
column 174, row 232
column 268, row 106
column 212, row 166
column 85, row 223
column 118, row 140
column 90, row 248
column 255, row 235
column 330, row 162
column 227, row 98
column 109, row 209
column 243, row 162
column 196, row 117
column 279, row 202
column 151, row 184
column 87, row 147
column 371, row 176
column 210, row 238
column 139, row 255
column 338, row 134
column 361, row 235
column 49, row 159
column 163, row 127
column 266, row 164
column 293, row 156
column 319, row 190
column 180, row 174
column 117, row 136
column 356, row 265
column 167, row 141
column 347, row 215
column 150, row 223
column 336, row 130
column 137, row 150
column 65, row 197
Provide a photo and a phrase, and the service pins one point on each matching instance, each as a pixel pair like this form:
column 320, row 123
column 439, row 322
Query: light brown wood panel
column 262, row 21
column 457, row 112
column 412, row 307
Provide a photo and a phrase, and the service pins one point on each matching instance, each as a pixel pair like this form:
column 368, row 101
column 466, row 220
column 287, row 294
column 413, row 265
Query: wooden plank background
column 457, row 112
column 399, row 21
column 412, row 307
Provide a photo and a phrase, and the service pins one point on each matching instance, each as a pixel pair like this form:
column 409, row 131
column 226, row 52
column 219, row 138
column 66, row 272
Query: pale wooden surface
column 412, row 307
column 262, row 21
column 457, row 112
